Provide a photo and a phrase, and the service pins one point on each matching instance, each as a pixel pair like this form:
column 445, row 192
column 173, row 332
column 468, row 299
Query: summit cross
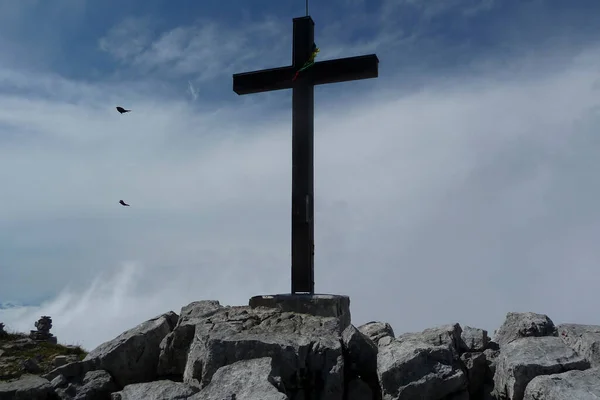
column 319, row 73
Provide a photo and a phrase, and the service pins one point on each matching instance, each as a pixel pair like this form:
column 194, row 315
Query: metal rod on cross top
column 322, row 72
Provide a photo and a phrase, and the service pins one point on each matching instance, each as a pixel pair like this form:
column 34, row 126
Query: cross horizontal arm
column 263, row 81
column 345, row 69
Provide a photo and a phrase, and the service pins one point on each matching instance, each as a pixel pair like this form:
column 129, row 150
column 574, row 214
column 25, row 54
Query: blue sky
column 459, row 185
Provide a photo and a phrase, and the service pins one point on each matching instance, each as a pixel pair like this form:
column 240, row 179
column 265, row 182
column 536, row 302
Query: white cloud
column 461, row 202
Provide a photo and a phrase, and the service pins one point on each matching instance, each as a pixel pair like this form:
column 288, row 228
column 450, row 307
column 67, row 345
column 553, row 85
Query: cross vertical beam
column 322, row 72
column 302, row 162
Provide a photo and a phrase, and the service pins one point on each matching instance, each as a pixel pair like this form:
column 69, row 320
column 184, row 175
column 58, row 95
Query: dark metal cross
column 322, row 72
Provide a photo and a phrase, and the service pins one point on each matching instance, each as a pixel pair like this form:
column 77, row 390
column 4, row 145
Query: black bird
column 122, row 110
column 121, row 202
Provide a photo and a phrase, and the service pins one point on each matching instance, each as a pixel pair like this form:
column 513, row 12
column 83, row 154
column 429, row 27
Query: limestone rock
column 520, row 325
column 377, row 330
column 449, row 336
column 360, row 358
column 584, row 339
column 523, row 359
column 132, row 357
column 157, row 390
column 307, row 349
column 476, row 366
column 175, row 346
column 246, row 380
column 475, row 339
column 28, row 387
column 579, row 385
column 410, row 369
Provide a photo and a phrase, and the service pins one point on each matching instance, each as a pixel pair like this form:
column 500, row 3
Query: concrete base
column 321, row 305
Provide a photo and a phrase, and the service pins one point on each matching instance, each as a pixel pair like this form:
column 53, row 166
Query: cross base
column 320, row 305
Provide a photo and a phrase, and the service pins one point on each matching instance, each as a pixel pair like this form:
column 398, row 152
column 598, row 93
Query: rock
column 520, row 325
column 306, row 348
column 42, row 333
column 523, row 359
column 247, row 380
column 74, row 370
column 448, row 336
column 360, row 358
column 59, row 381
column 359, row 390
column 157, row 390
column 464, row 395
column 3, row 332
column 409, row 369
column 175, row 346
column 317, row 305
column 475, row 339
column 28, row 387
column 476, row 366
column 132, row 357
column 584, row 339
column 491, row 357
column 96, row 385
column 31, row 366
column 59, row 361
column 580, row 385
column 377, row 331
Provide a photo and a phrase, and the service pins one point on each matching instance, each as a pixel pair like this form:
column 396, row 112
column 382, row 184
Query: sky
column 459, row 185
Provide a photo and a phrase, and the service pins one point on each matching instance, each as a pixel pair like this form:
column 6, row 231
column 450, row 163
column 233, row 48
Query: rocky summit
column 273, row 351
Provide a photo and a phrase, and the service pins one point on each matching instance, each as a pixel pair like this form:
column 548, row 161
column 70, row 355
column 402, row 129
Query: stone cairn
column 2, row 331
column 42, row 334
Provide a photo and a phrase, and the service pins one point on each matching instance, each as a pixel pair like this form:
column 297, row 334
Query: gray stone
column 475, row 339
column 523, row 359
column 307, row 349
column 96, row 385
column 476, row 366
column 377, row 331
column 448, row 336
column 59, row 381
column 360, row 357
column 520, row 325
column 572, row 385
column 28, row 387
column 491, row 357
column 409, row 369
column 132, row 357
column 59, row 361
column 175, row 346
column 246, row 380
column 318, row 305
column 31, row 366
column 72, row 370
column 157, row 390
column 584, row 339
column 464, row 395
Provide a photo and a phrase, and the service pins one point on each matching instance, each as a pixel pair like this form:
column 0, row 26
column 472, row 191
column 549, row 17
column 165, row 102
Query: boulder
column 584, row 339
column 475, row 339
column 476, row 367
column 247, row 380
column 520, row 325
column 132, row 357
column 360, row 358
column 579, row 385
column 175, row 346
column 28, row 387
column 157, row 390
column 523, row 359
column 377, row 330
column 307, row 349
column 449, row 336
column 412, row 369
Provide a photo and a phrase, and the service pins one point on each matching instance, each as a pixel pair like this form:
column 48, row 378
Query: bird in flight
column 122, row 110
column 121, row 202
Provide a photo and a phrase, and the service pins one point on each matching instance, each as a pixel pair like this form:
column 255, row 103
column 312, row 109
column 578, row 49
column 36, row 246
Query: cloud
column 461, row 201
column 201, row 51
